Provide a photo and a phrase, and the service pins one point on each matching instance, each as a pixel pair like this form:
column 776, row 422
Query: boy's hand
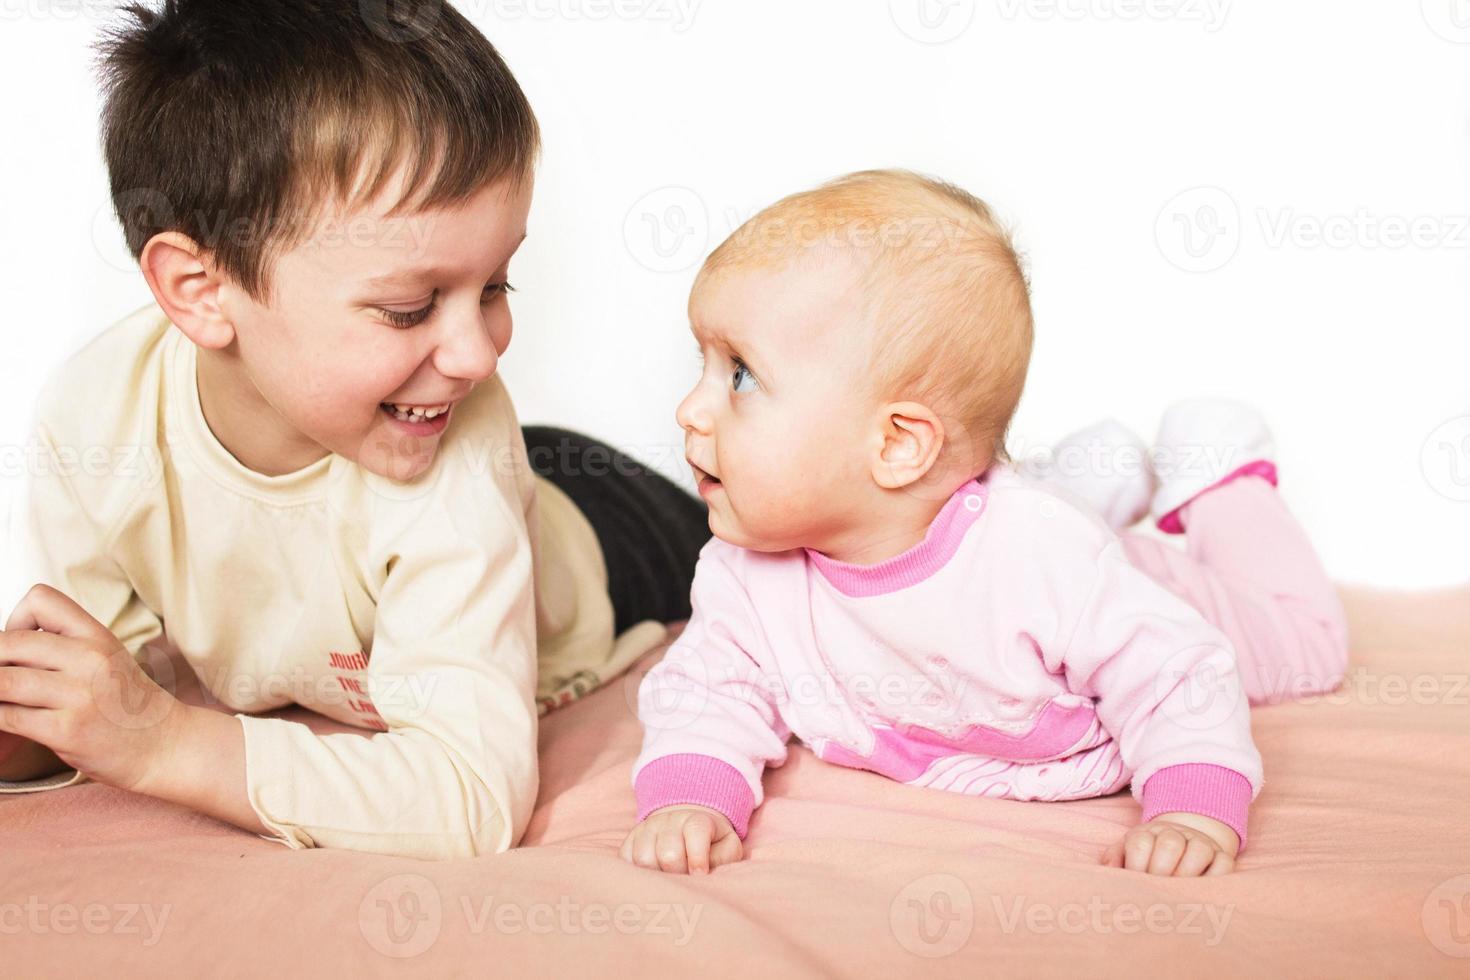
column 683, row 838
column 1184, row 845
column 67, row 683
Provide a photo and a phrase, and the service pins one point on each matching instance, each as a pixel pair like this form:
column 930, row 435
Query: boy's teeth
column 408, row 413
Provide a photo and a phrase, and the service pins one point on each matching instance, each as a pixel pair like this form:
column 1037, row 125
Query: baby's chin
column 742, row 534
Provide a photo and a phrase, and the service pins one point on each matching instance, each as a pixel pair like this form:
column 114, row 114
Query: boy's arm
column 55, row 537
column 451, row 672
column 710, row 720
column 205, row 768
column 1167, row 690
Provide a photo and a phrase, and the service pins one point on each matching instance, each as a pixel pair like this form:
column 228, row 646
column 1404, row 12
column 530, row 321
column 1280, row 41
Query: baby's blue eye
column 741, row 369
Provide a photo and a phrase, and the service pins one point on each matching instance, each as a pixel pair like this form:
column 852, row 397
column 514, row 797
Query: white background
column 1260, row 199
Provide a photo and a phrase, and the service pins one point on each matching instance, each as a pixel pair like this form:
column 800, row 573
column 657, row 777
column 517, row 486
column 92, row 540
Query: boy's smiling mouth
column 418, row 420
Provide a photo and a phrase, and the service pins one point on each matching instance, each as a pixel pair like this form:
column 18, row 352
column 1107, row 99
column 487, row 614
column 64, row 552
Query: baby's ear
column 910, row 442
column 186, row 286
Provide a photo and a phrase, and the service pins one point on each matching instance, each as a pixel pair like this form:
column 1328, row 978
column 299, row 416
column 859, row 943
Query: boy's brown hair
column 236, row 122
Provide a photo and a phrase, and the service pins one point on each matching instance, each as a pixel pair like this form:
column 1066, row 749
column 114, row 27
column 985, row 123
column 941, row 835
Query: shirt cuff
column 1198, row 787
column 689, row 777
column 67, row 777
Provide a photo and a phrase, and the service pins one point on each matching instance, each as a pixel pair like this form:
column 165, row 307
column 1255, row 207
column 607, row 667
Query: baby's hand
column 1185, row 845
column 683, row 838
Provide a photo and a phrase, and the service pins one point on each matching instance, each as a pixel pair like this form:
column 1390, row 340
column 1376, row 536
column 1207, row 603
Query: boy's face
column 372, row 312
column 777, row 427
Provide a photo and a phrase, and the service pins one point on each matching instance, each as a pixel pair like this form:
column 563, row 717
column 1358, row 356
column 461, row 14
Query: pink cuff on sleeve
column 688, row 777
column 1199, row 787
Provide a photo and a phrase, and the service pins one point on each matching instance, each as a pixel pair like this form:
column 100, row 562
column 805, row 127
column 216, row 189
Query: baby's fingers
column 670, row 849
column 1138, row 847
column 1197, row 857
column 641, row 847
column 1169, row 846
column 1222, row 865
column 726, row 850
column 697, row 831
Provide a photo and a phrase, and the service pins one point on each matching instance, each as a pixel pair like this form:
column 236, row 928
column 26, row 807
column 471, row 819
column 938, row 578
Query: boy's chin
column 398, row 467
column 397, row 459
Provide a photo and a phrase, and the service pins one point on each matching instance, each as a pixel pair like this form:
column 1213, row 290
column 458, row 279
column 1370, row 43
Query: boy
column 344, row 513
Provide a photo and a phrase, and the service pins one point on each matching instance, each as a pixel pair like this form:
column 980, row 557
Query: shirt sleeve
column 452, row 673
column 711, row 724
column 1166, row 688
column 55, row 539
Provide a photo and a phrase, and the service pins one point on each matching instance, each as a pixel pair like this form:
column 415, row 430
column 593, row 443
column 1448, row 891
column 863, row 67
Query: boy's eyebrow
column 403, row 277
column 416, row 274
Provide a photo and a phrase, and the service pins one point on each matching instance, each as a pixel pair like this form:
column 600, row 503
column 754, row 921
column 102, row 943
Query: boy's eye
column 404, row 319
column 741, row 371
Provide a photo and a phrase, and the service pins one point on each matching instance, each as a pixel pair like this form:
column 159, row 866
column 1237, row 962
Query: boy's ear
column 186, row 286
column 912, row 438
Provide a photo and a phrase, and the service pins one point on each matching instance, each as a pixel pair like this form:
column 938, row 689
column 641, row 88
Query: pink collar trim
column 940, row 543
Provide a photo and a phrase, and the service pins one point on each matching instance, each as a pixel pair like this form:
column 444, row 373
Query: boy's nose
column 467, row 351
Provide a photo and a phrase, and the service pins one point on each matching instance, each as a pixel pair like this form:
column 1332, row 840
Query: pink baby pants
column 1249, row 568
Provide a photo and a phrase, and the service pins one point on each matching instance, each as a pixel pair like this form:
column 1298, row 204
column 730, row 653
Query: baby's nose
column 689, row 414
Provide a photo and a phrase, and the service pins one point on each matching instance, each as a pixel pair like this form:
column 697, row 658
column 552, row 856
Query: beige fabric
column 407, row 608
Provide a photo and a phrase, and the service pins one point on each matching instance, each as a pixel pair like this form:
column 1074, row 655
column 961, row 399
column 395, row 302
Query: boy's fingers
column 30, row 687
column 22, row 720
column 28, row 648
column 44, row 608
column 697, row 830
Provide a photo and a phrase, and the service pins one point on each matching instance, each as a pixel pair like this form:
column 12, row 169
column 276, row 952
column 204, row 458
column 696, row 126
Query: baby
column 887, row 586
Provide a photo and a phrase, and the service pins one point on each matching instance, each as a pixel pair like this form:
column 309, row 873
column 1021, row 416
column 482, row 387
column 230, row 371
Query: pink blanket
column 1359, row 865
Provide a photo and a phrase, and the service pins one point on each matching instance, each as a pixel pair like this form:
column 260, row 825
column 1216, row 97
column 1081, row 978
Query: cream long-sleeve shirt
column 421, row 610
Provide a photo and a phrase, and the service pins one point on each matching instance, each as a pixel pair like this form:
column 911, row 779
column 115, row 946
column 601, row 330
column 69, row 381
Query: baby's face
column 375, row 311
column 779, row 426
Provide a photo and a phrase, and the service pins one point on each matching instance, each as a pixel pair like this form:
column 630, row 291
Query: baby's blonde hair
column 944, row 286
